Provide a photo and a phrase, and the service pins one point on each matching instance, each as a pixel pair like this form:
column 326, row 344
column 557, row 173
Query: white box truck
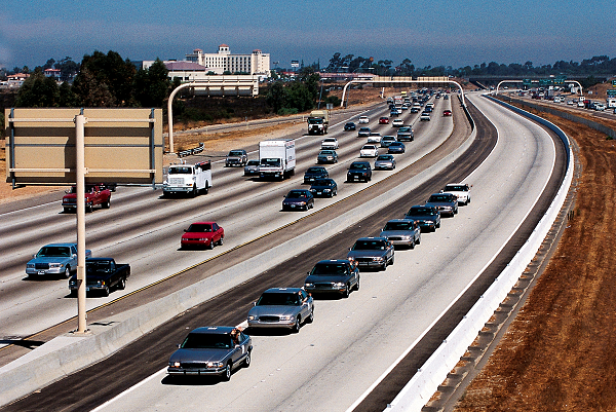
column 277, row 158
column 318, row 122
column 187, row 178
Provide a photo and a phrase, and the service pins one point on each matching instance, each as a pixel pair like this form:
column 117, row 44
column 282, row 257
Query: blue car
column 396, row 148
column 298, row 199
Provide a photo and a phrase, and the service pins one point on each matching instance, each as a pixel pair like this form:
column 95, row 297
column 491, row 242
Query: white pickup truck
column 187, row 178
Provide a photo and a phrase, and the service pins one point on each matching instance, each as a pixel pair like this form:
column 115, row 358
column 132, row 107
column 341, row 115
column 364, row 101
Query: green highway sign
column 611, row 92
column 559, row 82
column 614, row 83
column 545, row 82
column 527, row 82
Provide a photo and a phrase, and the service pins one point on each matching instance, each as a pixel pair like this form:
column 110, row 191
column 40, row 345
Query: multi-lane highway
column 331, row 363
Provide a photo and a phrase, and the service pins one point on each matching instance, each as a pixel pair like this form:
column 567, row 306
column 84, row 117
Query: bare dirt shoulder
column 558, row 354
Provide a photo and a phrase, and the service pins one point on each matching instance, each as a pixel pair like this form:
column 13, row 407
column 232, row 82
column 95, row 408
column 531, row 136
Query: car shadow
column 191, row 380
column 268, row 332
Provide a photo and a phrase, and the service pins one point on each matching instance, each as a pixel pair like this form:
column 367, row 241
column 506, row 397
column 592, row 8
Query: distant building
column 55, row 73
column 16, row 80
column 256, row 63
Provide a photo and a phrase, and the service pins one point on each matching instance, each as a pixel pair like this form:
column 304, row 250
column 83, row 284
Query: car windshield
column 329, row 141
column 54, row 251
column 455, row 188
column 207, row 341
column 359, row 166
column 421, row 211
column 315, row 120
column 327, row 152
column 98, row 266
column 396, row 144
column 235, row 153
column 180, row 170
column 321, row 269
column 368, row 148
column 279, row 299
column 272, row 162
column 383, row 157
column 200, row 228
column 296, row 195
column 253, row 163
column 439, row 198
column 404, row 129
column 314, row 170
column 369, row 245
column 323, row 182
column 398, row 226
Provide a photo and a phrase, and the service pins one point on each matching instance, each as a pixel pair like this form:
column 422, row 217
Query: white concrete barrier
column 426, row 381
column 24, row 376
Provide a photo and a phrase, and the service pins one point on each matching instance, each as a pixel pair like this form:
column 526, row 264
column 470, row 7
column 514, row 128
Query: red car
column 203, row 234
column 94, row 195
column 447, row 113
column 384, row 120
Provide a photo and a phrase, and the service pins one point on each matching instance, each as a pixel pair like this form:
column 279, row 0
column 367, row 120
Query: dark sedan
column 315, row 172
column 428, row 218
column 332, row 276
column 396, row 148
column 359, row 171
column 349, row 126
column 445, row 203
column 298, row 199
column 214, row 350
column 372, row 253
column 324, row 187
column 363, row 132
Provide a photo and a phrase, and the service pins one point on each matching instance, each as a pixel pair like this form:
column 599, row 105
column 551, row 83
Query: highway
column 144, row 230
column 331, row 363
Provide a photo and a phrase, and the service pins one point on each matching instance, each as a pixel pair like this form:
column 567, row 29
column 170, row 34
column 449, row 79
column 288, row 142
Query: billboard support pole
column 80, row 173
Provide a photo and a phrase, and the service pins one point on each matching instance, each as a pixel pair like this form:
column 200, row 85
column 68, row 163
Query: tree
column 90, row 92
column 49, row 64
column 152, row 85
column 68, row 68
column 66, row 96
column 38, row 91
column 275, row 96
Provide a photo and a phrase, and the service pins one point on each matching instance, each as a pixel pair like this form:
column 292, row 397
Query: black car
column 332, row 276
column 315, row 172
column 324, row 187
column 396, row 148
column 359, row 171
column 215, row 350
column 428, row 218
column 349, row 126
column 298, row 199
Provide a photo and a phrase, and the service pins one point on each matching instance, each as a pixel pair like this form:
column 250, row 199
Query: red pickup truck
column 94, row 195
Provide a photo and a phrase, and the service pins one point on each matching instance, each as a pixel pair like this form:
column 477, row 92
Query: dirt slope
column 558, row 354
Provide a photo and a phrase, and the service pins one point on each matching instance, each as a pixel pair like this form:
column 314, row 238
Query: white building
column 256, row 63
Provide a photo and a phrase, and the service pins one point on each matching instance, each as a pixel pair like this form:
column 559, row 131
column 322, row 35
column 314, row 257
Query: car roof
column 400, row 221
column 344, row 261
column 213, row 330
column 59, row 244
column 283, row 290
column 203, row 223
column 371, row 238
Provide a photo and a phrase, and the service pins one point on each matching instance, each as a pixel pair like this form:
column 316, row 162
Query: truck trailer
column 277, row 158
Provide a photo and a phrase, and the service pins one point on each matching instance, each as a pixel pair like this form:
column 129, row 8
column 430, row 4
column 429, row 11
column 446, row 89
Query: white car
column 374, row 138
column 363, row 119
column 570, row 102
column 461, row 190
column 397, row 123
column 425, row 116
column 369, row 150
column 580, row 104
column 330, row 143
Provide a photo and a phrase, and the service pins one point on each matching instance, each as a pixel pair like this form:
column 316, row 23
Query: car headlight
column 287, row 318
column 351, row 259
column 339, row 284
column 377, row 259
column 214, row 365
column 174, row 364
column 251, row 317
column 308, row 285
column 326, row 190
column 302, row 203
column 55, row 265
column 30, row 265
column 313, row 190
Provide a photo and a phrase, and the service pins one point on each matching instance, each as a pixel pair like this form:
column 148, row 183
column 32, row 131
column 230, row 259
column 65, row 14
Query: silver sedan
column 282, row 308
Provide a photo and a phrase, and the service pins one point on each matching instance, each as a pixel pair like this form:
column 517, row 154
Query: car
column 425, row 116
column 405, row 133
column 332, row 276
column 384, row 120
column 252, row 168
column 387, row 140
column 445, row 203
column 359, row 171
column 405, row 106
column 428, row 109
column 315, row 172
column 402, row 232
column 324, row 187
column 349, row 126
column 363, row 132
column 327, row 156
column 202, row 234
column 570, row 102
column 93, row 195
column 396, row 148
column 461, row 191
column 364, row 119
column 374, row 138
column 394, row 113
column 397, row 123
column 385, row 162
column 614, row 111
column 447, row 113
column 330, row 143
column 368, row 150
column 430, row 105
column 580, row 104
column 56, row 260
column 102, row 275
column 372, row 253
column 427, row 217
column 298, row 199
column 415, row 109
column 237, row 157
column 286, row 308
column 211, row 350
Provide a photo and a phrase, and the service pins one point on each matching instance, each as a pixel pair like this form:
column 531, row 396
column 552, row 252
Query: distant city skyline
column 442, row 33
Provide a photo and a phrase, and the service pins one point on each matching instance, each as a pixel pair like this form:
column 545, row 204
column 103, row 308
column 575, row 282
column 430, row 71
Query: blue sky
column 434, row 32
